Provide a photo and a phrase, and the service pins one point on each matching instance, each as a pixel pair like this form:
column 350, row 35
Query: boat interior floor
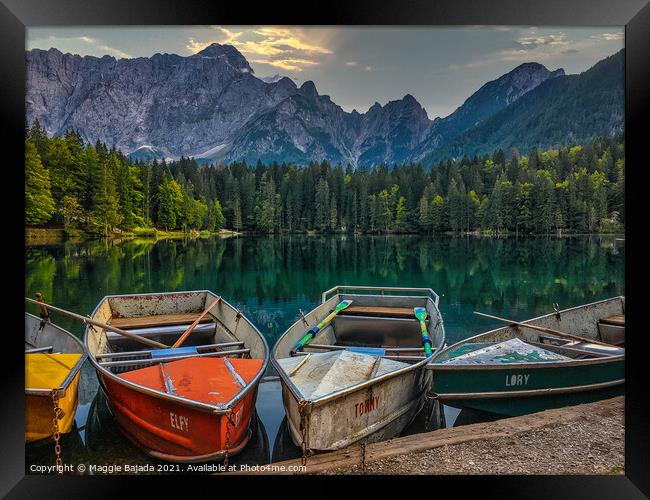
column 208, row 380
column 319, row 374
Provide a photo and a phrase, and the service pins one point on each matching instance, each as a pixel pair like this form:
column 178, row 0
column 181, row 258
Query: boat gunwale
column 546, row 364
column 221, row 408
column 567, row 389
column 314, row 403
column 63, row 387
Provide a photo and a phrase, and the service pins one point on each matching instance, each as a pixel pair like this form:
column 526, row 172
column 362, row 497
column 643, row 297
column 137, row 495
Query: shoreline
column 35, row 236
column 581, row 439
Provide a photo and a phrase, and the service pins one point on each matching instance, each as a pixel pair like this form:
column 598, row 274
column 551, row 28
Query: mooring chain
column 229, row 422
column 303, row 431
column 58, row 414
column 429, row 398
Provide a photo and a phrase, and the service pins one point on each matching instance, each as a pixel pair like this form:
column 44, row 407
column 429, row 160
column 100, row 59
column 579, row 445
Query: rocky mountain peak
column 227, row 52
column 309, row 89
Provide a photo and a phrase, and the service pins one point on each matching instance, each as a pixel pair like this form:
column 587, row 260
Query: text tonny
column 366, row 406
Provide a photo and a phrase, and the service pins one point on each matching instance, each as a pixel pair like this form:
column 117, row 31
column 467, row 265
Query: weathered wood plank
column 618, row 320
column 158, row 320
column 446, row 437
column 394, row 312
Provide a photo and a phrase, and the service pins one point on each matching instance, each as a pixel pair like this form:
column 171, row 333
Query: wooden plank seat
column 389, row 312
column 617, row 320
column 158, row 320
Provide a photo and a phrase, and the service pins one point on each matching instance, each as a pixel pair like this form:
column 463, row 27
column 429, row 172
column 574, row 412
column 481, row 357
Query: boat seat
column 381, row 311
column 174, row 351
column 617, row 320
column 49, row 349
column 158, row 320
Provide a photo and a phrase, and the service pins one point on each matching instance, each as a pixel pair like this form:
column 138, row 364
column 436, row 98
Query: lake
column 270, row 278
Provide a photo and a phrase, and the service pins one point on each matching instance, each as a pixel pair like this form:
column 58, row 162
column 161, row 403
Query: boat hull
column 518, row 390
column 39, row 412
column 375, row 413
column 172, row 431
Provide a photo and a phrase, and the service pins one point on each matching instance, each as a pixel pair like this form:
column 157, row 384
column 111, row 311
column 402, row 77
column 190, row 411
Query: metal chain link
column 58, row 413
column 364, row 466
column 229, row 422
column 303, row 431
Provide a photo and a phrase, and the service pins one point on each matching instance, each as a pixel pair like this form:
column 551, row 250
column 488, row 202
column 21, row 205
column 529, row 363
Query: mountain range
column 211, row 106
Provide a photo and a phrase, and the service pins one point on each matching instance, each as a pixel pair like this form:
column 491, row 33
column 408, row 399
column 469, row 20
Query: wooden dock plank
column 443, row 437
column 618, row 320
column 158, row 320
column 394, row 312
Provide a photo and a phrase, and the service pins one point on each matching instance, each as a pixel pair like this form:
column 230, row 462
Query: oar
column 421, row 314
column 545, row 330
column 312, row 333
column 91, row 321
column 187, row 332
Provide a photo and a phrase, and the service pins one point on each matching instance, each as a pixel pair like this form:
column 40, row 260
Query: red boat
column 180, row 371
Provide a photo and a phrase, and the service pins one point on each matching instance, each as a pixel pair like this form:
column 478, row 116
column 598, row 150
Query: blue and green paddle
column 421, row 314
column 312, row 333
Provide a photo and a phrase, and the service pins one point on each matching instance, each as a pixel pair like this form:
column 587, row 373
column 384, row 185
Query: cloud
column 285, row 48
column 286, row 64
column 608, row 37
column 569, row 51
column 86, row 40
column 368, row 68
column 351, row 63
column 533, row 40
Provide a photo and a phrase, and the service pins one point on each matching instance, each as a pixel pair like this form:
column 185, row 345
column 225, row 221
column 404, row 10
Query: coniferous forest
column 96, row 189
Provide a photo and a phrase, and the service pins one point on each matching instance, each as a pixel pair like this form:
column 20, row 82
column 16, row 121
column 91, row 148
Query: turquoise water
column 271, row 277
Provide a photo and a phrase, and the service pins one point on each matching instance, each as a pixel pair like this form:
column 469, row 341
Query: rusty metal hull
column 374, row 413
column 38, row 402
column 519, row 388
column 174, row 432
column 164, row 423
column 379, row 408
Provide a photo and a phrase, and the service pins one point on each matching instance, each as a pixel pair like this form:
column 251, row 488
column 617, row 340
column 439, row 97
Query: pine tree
column 39, row 204
column 170, row 203
column 106, row 210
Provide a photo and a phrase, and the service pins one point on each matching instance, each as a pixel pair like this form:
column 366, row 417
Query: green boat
column 517, row 370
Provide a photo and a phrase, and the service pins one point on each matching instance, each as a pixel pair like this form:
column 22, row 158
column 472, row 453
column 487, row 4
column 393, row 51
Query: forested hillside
column 94, row 188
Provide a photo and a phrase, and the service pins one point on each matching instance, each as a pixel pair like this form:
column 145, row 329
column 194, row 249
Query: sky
column 358, row 66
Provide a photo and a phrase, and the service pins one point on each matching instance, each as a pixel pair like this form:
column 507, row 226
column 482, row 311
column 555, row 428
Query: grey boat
column 363, row 376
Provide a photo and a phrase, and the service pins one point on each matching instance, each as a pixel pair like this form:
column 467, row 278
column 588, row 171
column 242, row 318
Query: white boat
column 363, row 376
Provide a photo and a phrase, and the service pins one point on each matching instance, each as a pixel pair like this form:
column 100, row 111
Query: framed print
column 385, row 239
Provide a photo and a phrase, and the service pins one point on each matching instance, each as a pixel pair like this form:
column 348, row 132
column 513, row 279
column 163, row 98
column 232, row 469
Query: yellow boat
column 53, row 360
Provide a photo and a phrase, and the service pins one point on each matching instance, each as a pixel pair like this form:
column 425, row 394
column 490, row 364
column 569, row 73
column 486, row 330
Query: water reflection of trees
column 517, row 277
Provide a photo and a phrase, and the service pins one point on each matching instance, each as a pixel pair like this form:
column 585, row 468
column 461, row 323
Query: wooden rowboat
column 53, row 360
column 363, row 375
column 517, row 370
column 187, row 404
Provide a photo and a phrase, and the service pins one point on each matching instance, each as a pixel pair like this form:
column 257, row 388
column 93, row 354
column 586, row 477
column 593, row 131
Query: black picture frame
column 15, row 15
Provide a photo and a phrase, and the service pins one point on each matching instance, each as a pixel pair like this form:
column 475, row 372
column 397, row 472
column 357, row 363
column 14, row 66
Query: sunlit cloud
column 533, row 40
column 286, row 64
column 351, row 63
column 284, row 48
column 608, row 37
column 368, row 68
